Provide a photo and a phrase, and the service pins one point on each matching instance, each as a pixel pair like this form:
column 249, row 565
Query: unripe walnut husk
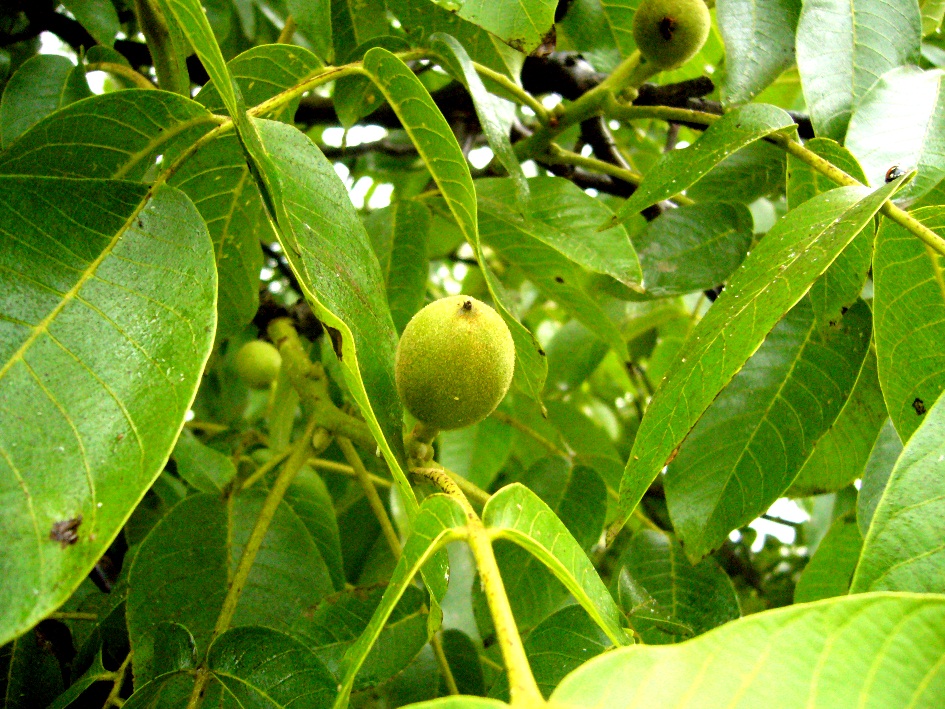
column 669, row 33
column 257, row 364
column 454, row 362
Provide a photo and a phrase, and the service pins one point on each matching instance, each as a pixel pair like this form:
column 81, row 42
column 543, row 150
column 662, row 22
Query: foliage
column 717, row 476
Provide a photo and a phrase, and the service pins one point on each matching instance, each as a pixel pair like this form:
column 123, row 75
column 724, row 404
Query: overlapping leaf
column 909, row 305
column 681, row 168
column 519, row 515
column 108, row 315
column 878, row 650
column 753, row 440
column 841, row 454
column 901, row 121
column 439, row 520
column 771, row 280
column 830, row 569
column 759, row 43
column 250, row 666
column 843, row 48
column 904, row 549
column 522, row 24
column 204, row 533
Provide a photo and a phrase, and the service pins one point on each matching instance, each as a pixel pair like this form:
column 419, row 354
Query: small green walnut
column 454, row 362
column 671, row 32
column 257, row 364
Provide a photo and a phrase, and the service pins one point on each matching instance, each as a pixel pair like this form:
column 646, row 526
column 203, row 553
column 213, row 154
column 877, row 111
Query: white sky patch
column 785, row 509
column 550, row 101
column 480, row 157
column 530, row 168
column 358, row 193
column 587, row 151
column 381, row 196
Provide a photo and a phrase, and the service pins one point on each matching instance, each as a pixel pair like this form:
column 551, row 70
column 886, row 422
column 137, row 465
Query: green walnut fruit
column 454, row 362
column 257, row 364
column 669, row 33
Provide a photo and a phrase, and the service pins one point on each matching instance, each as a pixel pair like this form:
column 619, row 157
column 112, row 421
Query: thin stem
column 444, row 664
column 113, row 700
column 288, row 31
column 206, row 427
column 264, row 469
column 343, row 469
column 374, row 500
column 467, row 488
column 524, row 98
column 530, row 432
column 301, row 451
column 66, row 615
column 125, row 72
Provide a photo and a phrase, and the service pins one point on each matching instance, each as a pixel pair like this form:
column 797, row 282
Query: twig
column 374, row 500
column 288, row 31
column 125, row 72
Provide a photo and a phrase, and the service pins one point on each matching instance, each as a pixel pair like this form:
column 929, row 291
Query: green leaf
column 576, row 494
column 679, row 169
column 477, row 452
column 440, row 520
column 340, row 619
column 354, row 22
column 98, row 17
column 174, row 648
column 587, row 29
column 843, row 48
column 29, row 673
column 106, row 321
column 463, row 657
column 422, row 18
column 904, row 548
column 830, row 569
column 522, row 24
column 192, row 20
column 696, row 596
column 841, row 454
column 693, row 248
column 517, row 514
column 840, row 286
column 774, row 277
column 439, row 150
column 405, row 264
column 203, row 468
column 355, row 95
column 42, row 85
column 933, row 11
column 558, row 645
column 909, row 315
column 880, row 650
column 573, row 355
column 879, row 467
column 259, row 664
column 204, row 532
column 562, row 217
column 95, row 673
column 753, row 440
column 495, row 115
column 328, row 249
column 314, row 21
column 310, row 500
column 542, row 249
column 756, row 170
column 759, row 43
column 460, row 703
column 250, row 666
column 116, row 135
column 619, row 15
column 901, row 121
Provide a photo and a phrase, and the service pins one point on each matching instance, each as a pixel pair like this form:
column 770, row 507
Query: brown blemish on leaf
column 66, row 531
column 918, row 406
